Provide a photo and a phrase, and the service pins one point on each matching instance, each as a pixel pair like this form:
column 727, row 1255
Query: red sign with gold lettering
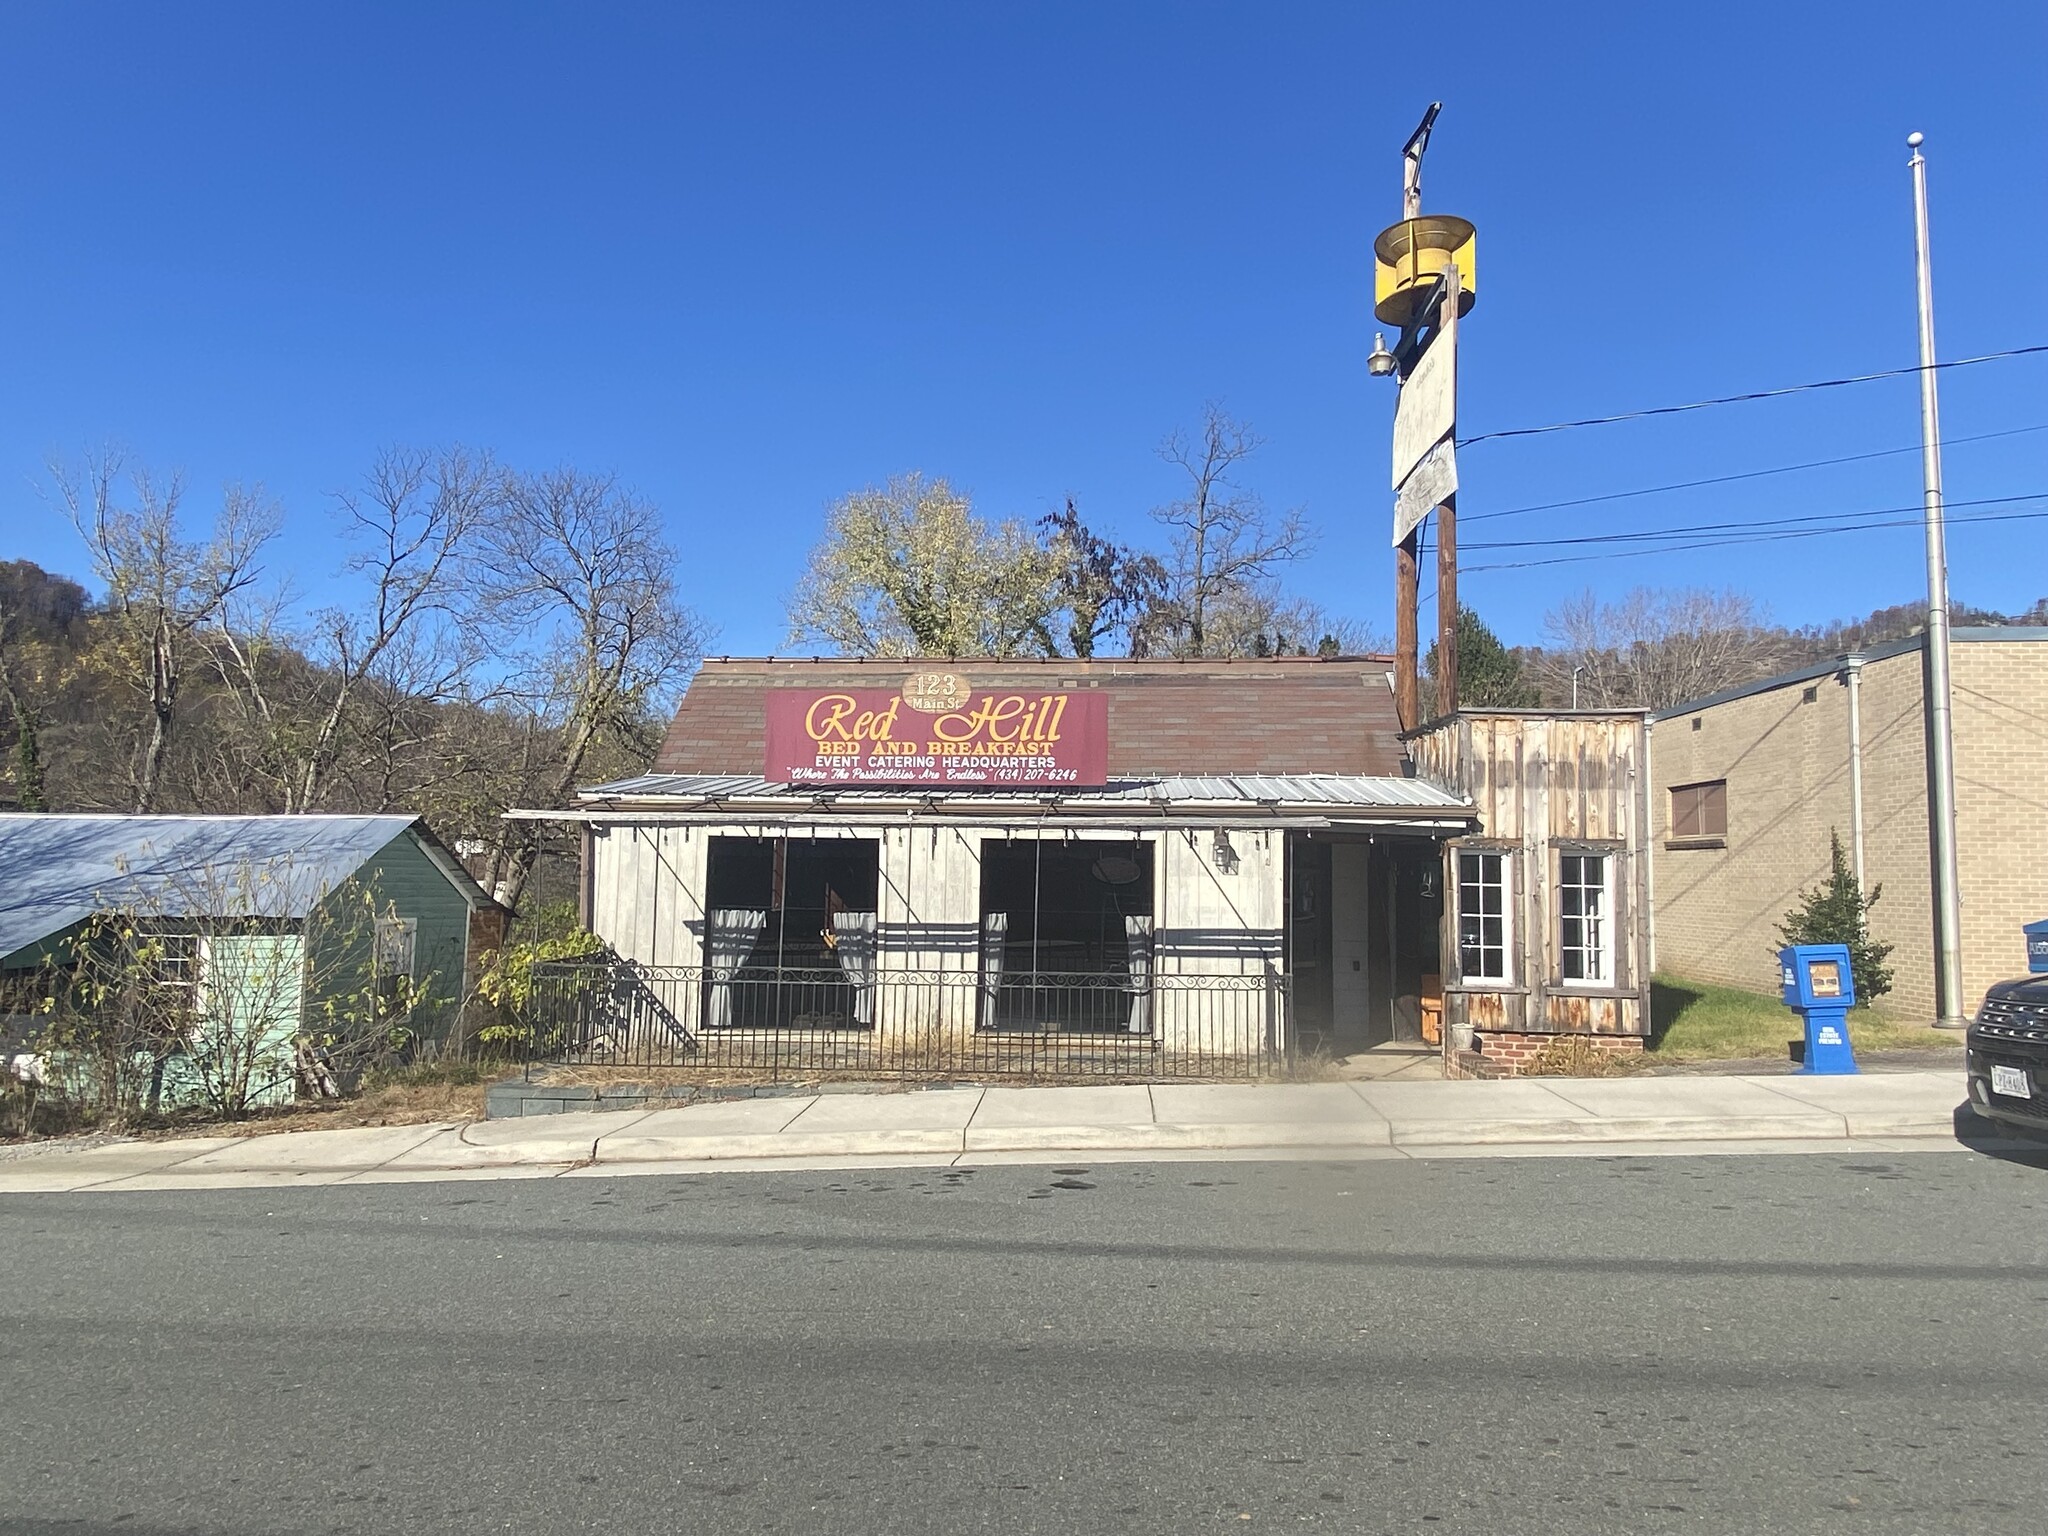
column 937, row 730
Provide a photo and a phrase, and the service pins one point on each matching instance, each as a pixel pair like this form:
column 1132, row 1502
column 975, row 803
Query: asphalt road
column 1741, row 1344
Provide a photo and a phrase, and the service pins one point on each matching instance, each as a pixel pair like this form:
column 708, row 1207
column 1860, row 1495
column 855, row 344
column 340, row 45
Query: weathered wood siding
column 1212, row 915
column 1547, row 785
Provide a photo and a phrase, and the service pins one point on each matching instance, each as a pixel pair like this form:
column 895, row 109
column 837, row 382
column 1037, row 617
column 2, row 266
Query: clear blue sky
column 752, row 256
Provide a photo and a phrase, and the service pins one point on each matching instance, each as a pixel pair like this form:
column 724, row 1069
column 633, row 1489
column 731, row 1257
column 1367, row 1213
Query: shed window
column 1585, row 915
column 397, row 942
column 1484, row 921
column 1066, row 935
column 1700, row 810
column 175, row 961
column 397, row 938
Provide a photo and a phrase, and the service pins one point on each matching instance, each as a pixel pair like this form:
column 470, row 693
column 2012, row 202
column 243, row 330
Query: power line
column 1756, row 394
column 1750, row 538
column 1763, row 524
column 1748, row 474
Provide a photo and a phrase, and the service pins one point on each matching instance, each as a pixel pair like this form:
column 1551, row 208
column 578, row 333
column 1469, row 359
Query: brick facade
column 1497, row 1054
column 1783, row 748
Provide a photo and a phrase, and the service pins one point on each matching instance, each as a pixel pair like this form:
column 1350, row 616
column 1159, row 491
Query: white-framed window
column 1585, row 919
column 176, row 963
column 1485, row 915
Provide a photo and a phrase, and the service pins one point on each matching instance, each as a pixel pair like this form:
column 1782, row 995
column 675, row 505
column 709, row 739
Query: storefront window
column 1585, row 903
column 790, row 933
column 1483, row 918
column 1066, row 935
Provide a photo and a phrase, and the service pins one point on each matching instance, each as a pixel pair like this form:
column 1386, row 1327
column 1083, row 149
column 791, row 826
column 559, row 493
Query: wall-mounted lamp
column 1221, row 853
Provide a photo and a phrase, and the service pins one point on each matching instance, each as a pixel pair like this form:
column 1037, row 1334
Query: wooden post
column 1407, row 557
column 1447, row 531
column 1407, row 686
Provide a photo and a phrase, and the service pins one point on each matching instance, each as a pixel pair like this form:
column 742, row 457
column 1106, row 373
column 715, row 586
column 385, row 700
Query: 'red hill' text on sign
column 937, row 730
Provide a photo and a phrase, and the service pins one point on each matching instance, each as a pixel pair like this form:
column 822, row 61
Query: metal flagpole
column 1941, row 742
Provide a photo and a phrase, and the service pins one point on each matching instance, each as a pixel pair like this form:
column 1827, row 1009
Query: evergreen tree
column 29, row 793
column 1490, row 676
column 1837, row 912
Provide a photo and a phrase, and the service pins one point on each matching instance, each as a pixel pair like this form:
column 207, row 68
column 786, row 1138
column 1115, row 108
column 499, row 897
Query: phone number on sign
column 1012, row 775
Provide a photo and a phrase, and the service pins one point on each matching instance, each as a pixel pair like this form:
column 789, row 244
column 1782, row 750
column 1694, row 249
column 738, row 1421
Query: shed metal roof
column 1319, row 791
column 57, row 870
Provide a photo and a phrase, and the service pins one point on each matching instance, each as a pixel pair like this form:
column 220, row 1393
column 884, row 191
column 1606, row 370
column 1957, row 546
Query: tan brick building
column 1746, row 785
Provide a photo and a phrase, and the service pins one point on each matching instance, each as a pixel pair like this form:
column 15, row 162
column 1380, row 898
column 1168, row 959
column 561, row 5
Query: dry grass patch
column 1579, row 1056
column 404, row 1096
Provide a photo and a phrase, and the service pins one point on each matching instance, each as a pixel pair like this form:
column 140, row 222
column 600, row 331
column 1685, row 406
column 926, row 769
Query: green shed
column 273, row 922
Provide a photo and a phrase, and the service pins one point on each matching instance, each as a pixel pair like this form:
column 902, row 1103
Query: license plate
column 2011, row 1081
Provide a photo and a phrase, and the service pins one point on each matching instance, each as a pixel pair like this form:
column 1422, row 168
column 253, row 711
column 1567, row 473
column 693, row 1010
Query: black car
column 2008, row 1051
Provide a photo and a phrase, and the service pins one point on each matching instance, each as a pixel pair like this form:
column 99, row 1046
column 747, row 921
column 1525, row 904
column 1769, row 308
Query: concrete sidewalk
column 1529, row 1117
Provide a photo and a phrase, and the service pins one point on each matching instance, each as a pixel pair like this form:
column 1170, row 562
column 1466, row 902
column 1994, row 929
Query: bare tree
column 1224, row 540
column 163, row 592
column 577, row 565
column 1259, row 619
column 410, row 524
column 1654, row 649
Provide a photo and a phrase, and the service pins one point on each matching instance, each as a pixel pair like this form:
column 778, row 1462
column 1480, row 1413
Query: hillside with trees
column 1660, row 647
column 506, row 636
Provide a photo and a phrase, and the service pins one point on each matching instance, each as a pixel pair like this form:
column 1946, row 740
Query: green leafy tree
column 1490, row 676
column 909, row 569
column 1838, row 912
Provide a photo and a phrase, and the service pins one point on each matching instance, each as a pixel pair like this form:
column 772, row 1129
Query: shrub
column 508, row 984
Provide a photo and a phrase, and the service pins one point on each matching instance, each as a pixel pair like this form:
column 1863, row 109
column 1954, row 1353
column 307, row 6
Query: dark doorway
column 1309, row 936
column 1406, row 881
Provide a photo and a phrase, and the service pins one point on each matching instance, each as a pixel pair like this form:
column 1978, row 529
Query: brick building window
column 1700, row 810
column 1585, row 919
column 1483, row 915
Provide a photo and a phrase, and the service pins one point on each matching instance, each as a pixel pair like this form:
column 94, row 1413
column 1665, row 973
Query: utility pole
column 1941, row 741
column 1423, row 280
column 1447, row 535
column 1408, row 553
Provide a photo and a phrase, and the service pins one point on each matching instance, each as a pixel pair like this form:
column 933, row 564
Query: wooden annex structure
column 1560, row 847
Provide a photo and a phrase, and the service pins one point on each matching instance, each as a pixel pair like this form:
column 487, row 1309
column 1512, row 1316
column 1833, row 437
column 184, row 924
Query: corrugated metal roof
column 57, row 870
column 1337, row 791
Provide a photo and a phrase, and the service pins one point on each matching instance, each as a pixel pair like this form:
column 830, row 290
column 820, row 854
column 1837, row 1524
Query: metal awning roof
column 1316, row 793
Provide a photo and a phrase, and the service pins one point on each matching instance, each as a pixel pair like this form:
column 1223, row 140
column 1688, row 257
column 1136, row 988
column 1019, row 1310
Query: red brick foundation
column 1506, row 1055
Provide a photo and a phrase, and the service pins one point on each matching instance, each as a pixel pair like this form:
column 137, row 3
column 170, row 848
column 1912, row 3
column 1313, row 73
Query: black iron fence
column 781, row 1024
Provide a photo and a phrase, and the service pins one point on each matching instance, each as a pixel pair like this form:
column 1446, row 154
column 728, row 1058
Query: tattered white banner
column 1427, row 411
column 1429, row 484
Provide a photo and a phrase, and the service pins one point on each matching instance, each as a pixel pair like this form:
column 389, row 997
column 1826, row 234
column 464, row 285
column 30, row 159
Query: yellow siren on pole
column 1409, row 256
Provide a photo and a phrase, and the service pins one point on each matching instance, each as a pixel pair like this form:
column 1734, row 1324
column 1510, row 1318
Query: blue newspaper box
column 1821, row 989
column 2037, row 946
